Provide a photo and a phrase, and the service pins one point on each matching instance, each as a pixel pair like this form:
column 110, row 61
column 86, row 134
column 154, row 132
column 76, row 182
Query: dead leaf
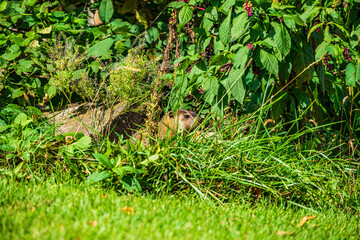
column 283, row 233
column 127, row 210
column 94, row 18
column 92, row 223
column 305, row 219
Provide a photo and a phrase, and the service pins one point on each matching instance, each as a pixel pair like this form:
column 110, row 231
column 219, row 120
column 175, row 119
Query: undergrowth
column 246, row 160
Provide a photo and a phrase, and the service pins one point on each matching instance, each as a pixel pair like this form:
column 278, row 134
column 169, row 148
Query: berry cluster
column 173, row 17
column 326, row 62
column 335, row 3
column 248, row 8
column 209, row 52
column 201, row 90
column 346, row 54
column 256, row 71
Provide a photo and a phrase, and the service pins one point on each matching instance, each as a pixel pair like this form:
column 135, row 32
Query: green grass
column 68, row 211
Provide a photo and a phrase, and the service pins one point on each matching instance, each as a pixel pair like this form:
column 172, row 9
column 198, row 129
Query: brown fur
column 183, row 121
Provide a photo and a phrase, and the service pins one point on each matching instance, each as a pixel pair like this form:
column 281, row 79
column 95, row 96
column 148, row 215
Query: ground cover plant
column 275, row 82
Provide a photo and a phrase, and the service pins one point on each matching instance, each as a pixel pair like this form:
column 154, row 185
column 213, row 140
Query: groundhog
column 181, row 122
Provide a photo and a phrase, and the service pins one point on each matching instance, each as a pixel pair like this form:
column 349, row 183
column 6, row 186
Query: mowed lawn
column 70, row 211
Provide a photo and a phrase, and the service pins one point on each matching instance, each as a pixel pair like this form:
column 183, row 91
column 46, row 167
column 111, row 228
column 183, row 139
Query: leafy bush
column 299, row 54
column 55, row 48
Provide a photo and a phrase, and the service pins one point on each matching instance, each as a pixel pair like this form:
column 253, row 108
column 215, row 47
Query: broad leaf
column 234, row 84
column 282, row 39
column 321, row 50
column 211, row 88
column 270, row 62
column 211, row 13
column 131, row 184
column 185, row 15
column 224, row 30
column 101, row 48
column 96, row 177
column 320, row 72
column 20, row 119
column 301, row 60
column 83, row 143
column 103, row 159
column 226, row 6
column 350, row 75
column 240, row 25
column 106, row 10
column 242, row 57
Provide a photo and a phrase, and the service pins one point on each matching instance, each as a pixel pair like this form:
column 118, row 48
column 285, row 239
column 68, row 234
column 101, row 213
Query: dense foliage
column 300, row 55
column 291, row 62
column 52, row 48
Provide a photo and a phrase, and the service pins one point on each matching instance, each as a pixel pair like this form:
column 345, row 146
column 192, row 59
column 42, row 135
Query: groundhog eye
column 186, row 116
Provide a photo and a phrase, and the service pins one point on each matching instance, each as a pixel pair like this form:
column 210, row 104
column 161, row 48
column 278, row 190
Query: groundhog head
column 181, row 122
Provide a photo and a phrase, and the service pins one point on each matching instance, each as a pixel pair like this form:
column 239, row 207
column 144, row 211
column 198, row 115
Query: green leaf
column 152, row 35
column 46, row 30
column 176, row 4
column 119, row 171
column 96, row 177
column 207, row 24
column 270, row 62
column 131, row 184
column 317, row 26
column 350, row 75
column 321, row 50
column 320, row 72
column 234, row 82
column 289, row 22
column 241, row 58
column 11, row 53
column 83, row 143
column 18, row 167
column 151, row 159
column 95, row 65
column 295, row 18
column 211, row 13
column 106, row 10
column 343, row 29
column 282, row 39
column 101, row 47
column 279, row 103
column 301, row 59
column 20, row 118
column 240, row 25
column 25, row 65
column 224, row 30
column 185, row 15
column 3, row 6
column 358, row 72
column 30, row 3
column 211, row 88
column 103, row 159
column 51, row 91
column 226, row 6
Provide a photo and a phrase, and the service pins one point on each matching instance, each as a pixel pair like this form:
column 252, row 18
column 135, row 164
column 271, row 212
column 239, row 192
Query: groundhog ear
column 171, row 114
